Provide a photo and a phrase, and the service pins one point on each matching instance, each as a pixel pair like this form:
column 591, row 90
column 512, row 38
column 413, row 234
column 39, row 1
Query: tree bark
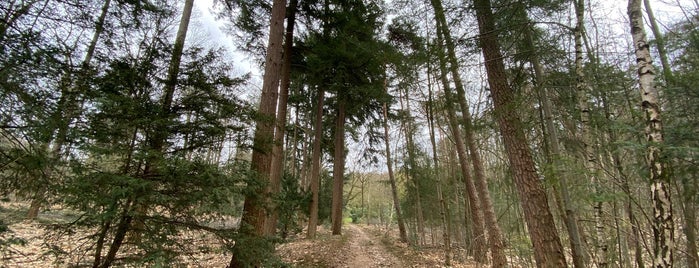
column 478, row 226
column 663, row 226
column 688, row 193
column 392, row 180
column 315, row 167
column 338, row 168
column 412, row 175
column 277, row 167
column 253, row 220
column 548, row 251
column 443, row 207
column 582, row 89
column 495, row 238
column 570, row 218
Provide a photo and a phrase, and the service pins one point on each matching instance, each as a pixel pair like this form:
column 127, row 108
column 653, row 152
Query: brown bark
column 338, row 168
column 495, row 238
column 569, row 212
column 663, row 226
column 478, row 226
column 122, row 229
column 315, row 167
column 277, row 167
column 412, row 176
column 443, row 206
column 253, row 220
column 548, row 251
column 394, row 190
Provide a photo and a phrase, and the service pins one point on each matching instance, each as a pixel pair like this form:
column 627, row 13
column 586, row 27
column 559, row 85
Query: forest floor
column 360, row 245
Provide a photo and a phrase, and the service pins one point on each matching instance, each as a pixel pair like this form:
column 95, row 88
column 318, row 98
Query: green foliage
column 346, row 58
column 292, row 204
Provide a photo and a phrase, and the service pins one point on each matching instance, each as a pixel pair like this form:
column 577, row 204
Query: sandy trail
column 365, row 250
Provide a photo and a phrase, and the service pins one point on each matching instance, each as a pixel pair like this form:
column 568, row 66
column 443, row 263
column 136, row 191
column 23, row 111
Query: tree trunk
column 690, row 219
column 253, row 220
column 277, row 167
column 495, row 238
column 443, row 207
column 412, row 175
column 392, row 180
column 663, row 226
column 64, row 113
column 122, row 229
column 315, row 167
column 478, row 234
column 548, row 251
column 688, row 193
column 581, row 87
column 157, row 140
column 338, row 168
column 569, row 213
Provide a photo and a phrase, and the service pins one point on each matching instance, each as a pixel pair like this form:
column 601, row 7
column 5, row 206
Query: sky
column 206, row 21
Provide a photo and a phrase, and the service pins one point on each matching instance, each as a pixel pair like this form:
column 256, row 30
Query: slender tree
column 663, row 226
column 495, row 239
column 338, row 167
column 315, row 166
column 590, row 159
column 443, row 206
column 392, row 180
column 67, row 106
column 479, row 248
column 548, row 251
column 553, row 141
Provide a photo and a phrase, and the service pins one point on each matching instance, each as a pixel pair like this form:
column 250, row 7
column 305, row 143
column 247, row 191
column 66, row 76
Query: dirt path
column 356, row 247
column 367, row 251
column 360, row 246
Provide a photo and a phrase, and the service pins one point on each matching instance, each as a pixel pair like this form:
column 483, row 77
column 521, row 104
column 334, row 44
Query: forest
column 260, row 133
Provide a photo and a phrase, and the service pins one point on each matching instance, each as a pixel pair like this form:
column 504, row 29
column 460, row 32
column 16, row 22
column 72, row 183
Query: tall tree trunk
column 411, row 160
column 688, row 192
column 157, row 140
column 66, row 110
column 392, row 180
column 663, row 226
column 338, row 168
column 315, row 167
column 478, row 226
column 253, row 220
column 548, row 251
column 581, row 87
column 277, row 168
column 569, row 213
column 495, row 238
column 634, row 232
column 689, row 186
column 443, row 207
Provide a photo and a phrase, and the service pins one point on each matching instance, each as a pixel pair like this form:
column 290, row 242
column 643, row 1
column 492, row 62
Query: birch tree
column 660, row 182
